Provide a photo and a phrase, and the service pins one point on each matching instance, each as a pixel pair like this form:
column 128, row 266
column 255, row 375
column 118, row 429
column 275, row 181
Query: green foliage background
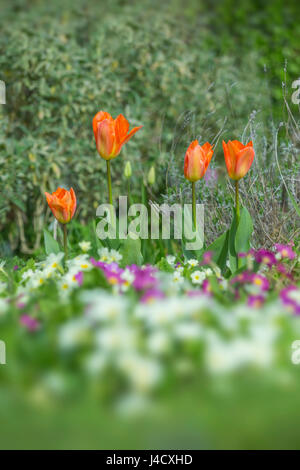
column 181, row 72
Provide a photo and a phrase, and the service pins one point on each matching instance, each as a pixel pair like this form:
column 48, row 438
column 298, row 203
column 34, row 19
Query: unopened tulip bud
column 151, row 175
column 127, row 170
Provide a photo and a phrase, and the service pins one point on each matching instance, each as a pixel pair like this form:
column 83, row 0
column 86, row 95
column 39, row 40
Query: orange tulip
column 238, row 158
column 111, row 134
column 196, row 161
column 62, row 204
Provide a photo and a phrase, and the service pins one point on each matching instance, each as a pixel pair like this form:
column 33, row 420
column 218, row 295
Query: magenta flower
column 196, row 292
column 144, row 277
column 206, row 287
column 285, row 251
column 252, row 278
column 260, row 281
column 290, row 297
column 265, row 257
column 207, row 257
column 111, row 271
column 281, row 268
column 151, row 295
column 16, row 267
column 29, row 322
column 255, row 301
column 79, row 278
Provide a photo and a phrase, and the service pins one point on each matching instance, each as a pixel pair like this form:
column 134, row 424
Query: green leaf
column 131, row 252
column 231, row 245
column 243, row 235
column 220, row 250
column 51, row 245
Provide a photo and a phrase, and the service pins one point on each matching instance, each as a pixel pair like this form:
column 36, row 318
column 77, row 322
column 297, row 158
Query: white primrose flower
column 177, row 277
column 103, row 307
column 3, row 306
column 208, row 272
column 115, row 256
column 3, row 287
column 217, row 271
column 143, row 373
column 198, row 277
column 53, row 261
column 85, row 246
column 171, row 259
column 2, row 264
column 27, row 274
column 116, row 339
column 74, row 333
column 193, row 262
column 96, row 362
column 36, row 280
column 80, row 263
column 104, row 255
column 128, row 278
column 158, row 342
column 179, row 269
column 188, row 331
column 109, row 256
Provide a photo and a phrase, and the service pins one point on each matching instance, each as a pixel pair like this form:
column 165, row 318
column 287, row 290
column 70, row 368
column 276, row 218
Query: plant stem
column 237, row 202
column 109, row 182
column 65, row 242
column 194, row 204
column 128, row 191
column 237, row 211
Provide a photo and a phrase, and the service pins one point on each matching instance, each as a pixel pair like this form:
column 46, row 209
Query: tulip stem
column 237, row 202
column 109, row 182
column 194, row 203
column 129, row 192
column 65, row 242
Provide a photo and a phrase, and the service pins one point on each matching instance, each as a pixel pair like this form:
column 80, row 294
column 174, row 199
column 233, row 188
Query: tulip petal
column 131, row 133
column 106, row 138
column 244, row 161
column 228, row 160
column 98, row 118
column 121, row 127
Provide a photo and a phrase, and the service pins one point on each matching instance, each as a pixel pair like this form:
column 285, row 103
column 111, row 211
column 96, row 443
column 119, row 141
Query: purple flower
column 265, row 257
column 206, row 287
column 111, row 271
column 144, row 277
column 281, row 268
column 290, row 297
column 151, row 295
column 194, row 293
column 16, row 267
column 285, row 251
column 261, row 281
column 29, row 322
column 257, row 279
column 79, row 278
column 207, row 257
column 244, row 254
column 255, row 301
column 21, row 305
